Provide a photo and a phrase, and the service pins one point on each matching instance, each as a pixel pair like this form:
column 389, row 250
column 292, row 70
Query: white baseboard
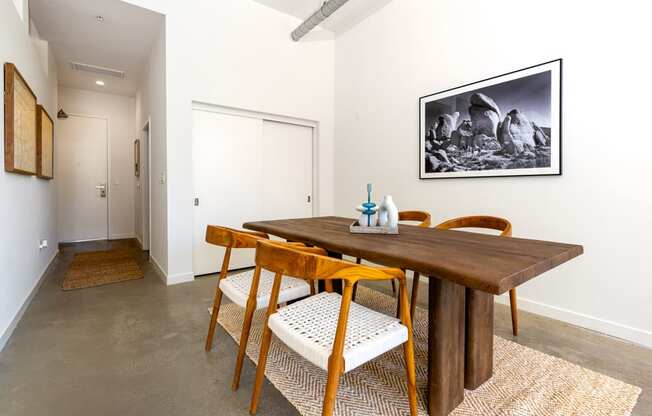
column 159, row 270
column 172, row 279
column 628, row 333
column 175, row 279
column 121, row 236
column 19, row 315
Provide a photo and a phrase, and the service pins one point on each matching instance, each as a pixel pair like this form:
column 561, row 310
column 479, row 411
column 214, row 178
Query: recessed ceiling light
column 99, row 18
column 100, row 83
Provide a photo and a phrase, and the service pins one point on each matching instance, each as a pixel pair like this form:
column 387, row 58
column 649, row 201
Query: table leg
column 479, row 351
column 337, row 284
column 445, row 346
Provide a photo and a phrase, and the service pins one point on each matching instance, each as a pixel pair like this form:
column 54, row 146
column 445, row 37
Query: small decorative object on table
column 368, row 210
column 386, row 222
column 388, row 213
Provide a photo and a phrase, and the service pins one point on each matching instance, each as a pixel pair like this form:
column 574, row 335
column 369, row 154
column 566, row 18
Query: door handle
column 102, row 188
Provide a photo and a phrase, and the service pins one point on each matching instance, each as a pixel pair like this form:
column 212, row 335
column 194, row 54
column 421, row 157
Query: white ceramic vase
column 363, row 221
column 388, row 213
column 372, row 220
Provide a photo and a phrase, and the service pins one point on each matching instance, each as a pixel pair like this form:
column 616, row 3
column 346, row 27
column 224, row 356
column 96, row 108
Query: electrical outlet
column 43, row 244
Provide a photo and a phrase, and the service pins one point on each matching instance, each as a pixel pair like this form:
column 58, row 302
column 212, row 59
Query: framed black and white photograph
column 508, row 125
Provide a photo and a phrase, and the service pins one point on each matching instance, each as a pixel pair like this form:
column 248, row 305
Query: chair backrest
column 230, row 238
column 421, row 216
column 311, row 263
column 479, row 221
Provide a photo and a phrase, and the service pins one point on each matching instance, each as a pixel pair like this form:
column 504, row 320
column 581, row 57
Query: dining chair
column 237, row 287
column 328, row 329
column 493, row 223
column 424, row 221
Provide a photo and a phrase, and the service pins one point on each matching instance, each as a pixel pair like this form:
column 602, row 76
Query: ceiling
column 122, row 41
column 124, row 38
column 350, row 14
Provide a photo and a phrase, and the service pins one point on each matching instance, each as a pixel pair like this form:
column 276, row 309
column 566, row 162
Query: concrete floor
column 136, row 348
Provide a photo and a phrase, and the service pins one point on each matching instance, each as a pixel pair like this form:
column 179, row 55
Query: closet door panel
column 287, row 170
column 227, row 181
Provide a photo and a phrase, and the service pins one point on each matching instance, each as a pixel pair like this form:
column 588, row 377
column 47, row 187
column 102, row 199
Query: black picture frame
column 554, row 67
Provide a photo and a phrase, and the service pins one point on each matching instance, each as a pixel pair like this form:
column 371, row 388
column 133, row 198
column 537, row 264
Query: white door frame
column 108, row 171
column 214, row 108
column 147, row 243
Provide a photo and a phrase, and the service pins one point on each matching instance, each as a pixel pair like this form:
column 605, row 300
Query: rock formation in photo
column 485, row 142
column 463, row 136
column 446, row 125
column 485, row 115
column 540, row 136
column 516, row 133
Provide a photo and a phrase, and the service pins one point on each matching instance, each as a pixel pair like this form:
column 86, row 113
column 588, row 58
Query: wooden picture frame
column 20, row 123
column 137, row 158
column 44, row 144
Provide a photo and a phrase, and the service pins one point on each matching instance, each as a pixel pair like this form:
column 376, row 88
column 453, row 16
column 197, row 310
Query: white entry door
column 246, row 169
column 81, row 172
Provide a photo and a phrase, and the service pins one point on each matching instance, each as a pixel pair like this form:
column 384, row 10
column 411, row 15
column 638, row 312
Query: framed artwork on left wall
column 20, row 123
column 44, row 144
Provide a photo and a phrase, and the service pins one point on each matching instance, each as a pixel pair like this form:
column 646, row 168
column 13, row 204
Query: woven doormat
column 525, row 382
column 98, row 268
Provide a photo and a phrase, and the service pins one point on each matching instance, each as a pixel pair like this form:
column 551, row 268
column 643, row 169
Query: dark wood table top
column 484, row 262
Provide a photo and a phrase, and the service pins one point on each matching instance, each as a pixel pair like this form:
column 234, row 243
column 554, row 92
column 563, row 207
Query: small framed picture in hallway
column 137, row 158
column 508, row 125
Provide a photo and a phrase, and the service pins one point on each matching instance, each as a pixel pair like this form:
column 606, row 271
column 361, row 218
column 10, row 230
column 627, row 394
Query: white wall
column 22, row 7
column 28, row 204
column 120, row 112
column 238, row 54
column 603, row 201
column 151, row 103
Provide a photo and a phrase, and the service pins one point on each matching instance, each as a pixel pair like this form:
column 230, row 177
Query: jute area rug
column 96, row 268
column 525, row 381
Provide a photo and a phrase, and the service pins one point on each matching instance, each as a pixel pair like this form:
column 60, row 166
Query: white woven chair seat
column 308, row 327
column 236, row 287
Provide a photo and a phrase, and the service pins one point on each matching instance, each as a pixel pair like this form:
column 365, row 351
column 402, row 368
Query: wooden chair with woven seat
column 328, row 329
column 237, row 287
column 413, row 216
column 493, row 223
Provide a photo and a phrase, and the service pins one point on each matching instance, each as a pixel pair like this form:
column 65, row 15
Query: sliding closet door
column 246, row 169
column 227, row 172
column 287, row 170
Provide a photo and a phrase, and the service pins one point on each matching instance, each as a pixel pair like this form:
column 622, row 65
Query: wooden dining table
column 465, row 270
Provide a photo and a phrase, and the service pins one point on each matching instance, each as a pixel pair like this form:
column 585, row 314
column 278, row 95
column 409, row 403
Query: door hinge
column 196, row 202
